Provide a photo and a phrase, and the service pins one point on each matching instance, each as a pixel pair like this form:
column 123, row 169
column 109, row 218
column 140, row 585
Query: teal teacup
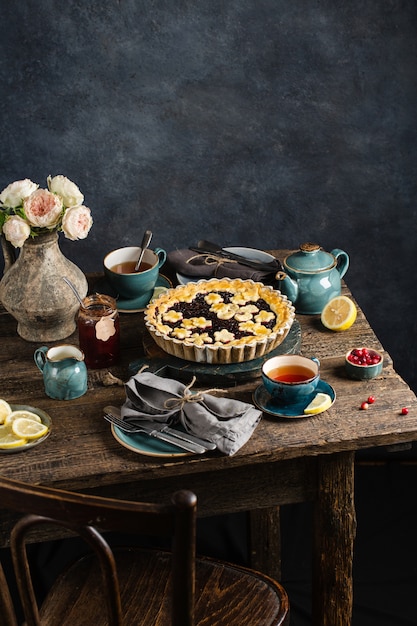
column 64, row 371
column 119, row 269
column 291, row 378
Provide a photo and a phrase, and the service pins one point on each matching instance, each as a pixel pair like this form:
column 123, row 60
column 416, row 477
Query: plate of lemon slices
column 22, row 427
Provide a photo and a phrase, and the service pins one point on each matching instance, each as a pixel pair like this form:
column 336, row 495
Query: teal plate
column 263, row 401
column 125, row 305
column 146, row 445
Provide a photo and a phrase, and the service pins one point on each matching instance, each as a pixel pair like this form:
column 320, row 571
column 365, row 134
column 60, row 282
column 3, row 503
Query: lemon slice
column 4, row 430
column 22, row 413
column 157, row 292
column 320, row 403
column 5, row 410
column 28, row 429
column 9, row 440
column 339, row 313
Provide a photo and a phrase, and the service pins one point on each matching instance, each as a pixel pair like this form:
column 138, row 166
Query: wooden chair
column 133, row 586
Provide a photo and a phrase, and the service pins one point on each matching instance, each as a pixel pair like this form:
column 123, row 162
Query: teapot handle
column 287, row 285
column 342, row 261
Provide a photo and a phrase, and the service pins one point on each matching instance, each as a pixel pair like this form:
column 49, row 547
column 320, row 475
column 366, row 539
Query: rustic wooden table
column 285, row 461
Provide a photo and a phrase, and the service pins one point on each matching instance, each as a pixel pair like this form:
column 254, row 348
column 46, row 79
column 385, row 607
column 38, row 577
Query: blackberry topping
column 198, row 307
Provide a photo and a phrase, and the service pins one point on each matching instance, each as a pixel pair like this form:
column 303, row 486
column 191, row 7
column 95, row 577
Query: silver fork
column 161, row 428
column 152, row 432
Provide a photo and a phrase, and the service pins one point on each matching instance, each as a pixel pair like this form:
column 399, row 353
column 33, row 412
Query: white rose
column 77, row 222
column 69, row 192
column 43, row 209
column 14, row 194
column 16, row 230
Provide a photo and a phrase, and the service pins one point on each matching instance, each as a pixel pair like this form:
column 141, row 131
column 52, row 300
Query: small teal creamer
column 64, row 371
column 312, row 277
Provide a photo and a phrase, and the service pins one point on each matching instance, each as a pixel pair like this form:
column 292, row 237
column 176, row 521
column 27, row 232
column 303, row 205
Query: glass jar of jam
column 99, row 331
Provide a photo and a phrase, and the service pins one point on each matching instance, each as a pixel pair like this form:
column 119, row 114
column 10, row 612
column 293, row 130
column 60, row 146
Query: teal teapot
column 312, row 277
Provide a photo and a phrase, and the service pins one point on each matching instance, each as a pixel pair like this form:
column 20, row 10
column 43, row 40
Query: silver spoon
column 74, row 289
column 144, row 245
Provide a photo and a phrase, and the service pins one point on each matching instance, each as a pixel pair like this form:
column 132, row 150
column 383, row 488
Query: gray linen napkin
column 190, row 263
column 226, row 422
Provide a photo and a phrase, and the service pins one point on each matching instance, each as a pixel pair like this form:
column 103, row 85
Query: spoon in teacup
column 146, row 240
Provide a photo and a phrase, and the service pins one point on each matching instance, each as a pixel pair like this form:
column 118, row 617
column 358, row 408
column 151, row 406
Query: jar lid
column 310, row 258
column 98, row 305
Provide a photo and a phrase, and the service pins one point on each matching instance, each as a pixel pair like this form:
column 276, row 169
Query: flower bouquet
column 27, row 211
column 32, row 289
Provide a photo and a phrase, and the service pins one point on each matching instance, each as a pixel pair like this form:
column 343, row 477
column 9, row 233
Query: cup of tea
column 291, row 378
column 119, row 268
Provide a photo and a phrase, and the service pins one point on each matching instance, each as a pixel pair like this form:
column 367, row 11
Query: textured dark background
column 248, row 122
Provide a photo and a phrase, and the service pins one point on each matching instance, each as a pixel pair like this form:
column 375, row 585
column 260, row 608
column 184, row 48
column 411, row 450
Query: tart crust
column 219, row 321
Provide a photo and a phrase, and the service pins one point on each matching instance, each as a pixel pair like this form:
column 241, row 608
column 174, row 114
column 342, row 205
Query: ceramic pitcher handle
column 40, row 357
column 162, row 255
column 342, row 261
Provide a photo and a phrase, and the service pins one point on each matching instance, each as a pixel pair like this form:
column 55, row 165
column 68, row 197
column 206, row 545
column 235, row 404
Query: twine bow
column 211, row 259
column 188, row 396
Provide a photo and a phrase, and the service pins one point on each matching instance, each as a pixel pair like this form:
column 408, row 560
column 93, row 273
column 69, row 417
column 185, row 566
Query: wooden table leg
column 334, row 534
column 265, row 541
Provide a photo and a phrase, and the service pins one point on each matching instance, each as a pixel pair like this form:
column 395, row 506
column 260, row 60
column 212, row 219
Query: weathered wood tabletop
column 285, row 460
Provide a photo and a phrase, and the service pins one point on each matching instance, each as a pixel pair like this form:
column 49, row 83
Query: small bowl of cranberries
column 363, row 363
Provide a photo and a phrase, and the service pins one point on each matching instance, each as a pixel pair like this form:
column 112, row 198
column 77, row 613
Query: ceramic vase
column 33, row 291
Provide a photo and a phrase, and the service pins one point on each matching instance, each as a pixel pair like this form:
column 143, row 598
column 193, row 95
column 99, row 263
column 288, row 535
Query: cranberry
column 363, row 357
column 371, row 399
column 404, row 411
column 364, row 406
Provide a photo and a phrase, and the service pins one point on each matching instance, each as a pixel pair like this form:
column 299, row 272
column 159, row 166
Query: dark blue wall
column 249, row 122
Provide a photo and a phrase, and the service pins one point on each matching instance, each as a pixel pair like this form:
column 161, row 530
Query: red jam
column 99, row 331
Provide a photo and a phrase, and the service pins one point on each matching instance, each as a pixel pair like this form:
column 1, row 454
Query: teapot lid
column 310, row 258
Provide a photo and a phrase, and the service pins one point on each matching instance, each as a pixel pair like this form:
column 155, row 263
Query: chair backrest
column 7, row 612
column 87, row 515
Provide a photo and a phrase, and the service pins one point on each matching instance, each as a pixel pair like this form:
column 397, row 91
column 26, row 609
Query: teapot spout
column 287, row 286
column 9, row 253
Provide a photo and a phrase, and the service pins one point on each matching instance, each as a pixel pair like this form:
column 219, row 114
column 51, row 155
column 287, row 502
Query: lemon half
column 339, row 313
column 320, row 403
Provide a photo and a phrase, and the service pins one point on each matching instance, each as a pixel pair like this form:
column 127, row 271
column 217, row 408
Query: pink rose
column 43, row 208
column 16, row 230
column 77, row 222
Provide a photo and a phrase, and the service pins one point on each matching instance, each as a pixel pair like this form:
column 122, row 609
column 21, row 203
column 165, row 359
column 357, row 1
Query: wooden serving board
column 159, row 362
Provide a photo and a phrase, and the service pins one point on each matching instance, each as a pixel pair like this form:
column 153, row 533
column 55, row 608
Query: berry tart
column 219, row 321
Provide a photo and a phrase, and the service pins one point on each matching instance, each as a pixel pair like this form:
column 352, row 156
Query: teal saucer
column 133, row 305
column 264, row 402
